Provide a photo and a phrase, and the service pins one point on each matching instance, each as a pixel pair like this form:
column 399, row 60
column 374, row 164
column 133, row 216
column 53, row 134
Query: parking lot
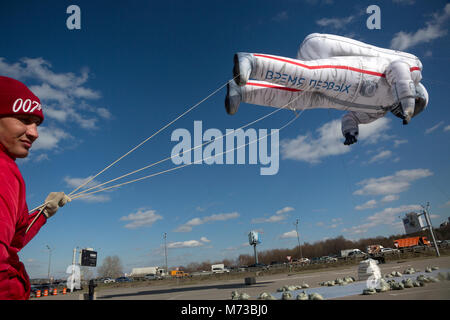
column 222, row 289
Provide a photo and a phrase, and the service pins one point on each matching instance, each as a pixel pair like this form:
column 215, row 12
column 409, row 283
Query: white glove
column 54, row 201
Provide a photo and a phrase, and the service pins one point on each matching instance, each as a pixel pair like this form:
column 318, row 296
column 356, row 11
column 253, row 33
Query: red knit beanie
column 16, row 98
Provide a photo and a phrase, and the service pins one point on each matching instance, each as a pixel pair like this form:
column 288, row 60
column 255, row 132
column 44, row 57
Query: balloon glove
column 350, row 139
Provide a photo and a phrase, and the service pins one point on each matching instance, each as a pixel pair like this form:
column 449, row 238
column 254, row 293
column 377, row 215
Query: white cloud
column 329, row 141
column 76, row 182
column 368, row 205
column 188, row 243
column 446, row 205
column 399, row 182
column 335, row 223
column 285, row 210
column 289, row 234
column 433, row 128
column 204, row 239
column 388, row 216
column 185, row 244
column 335, row 23
column 390, row 198
column 49, row 138
column 62, row 95
column 434, row 29
column 281, row 16
column 187, row 227
column 271, row 219
column 447, row 128
column 381, row 156
column 399, row 142
column 279, row 215
column 141, row 219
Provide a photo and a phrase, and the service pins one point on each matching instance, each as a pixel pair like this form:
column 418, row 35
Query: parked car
column 123, row 279
column 357, row 254
column 258, row 265
column 305, row 261
column 445, row 243
column 152, row 276
column 328, row 259
column 109, row 280
column 388, row 250
column 315, row 260
column 301, row 261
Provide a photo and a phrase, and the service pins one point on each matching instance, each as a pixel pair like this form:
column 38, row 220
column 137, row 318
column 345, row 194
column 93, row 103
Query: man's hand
column 54, row 201
column 350, row 138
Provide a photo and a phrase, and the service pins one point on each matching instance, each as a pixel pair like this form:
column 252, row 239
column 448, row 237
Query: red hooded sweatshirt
column 14, row 220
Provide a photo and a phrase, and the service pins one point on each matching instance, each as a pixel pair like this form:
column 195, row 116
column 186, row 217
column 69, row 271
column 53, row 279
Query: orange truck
column 411, row 242
column 178, row 273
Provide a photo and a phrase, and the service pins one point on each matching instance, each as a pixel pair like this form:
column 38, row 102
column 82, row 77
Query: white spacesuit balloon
column 332, row 72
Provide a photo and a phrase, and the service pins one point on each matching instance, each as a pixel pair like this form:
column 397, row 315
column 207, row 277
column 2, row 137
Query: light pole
column 430, row 227
column 165, row 251
column 49, row 261
column 298, row 238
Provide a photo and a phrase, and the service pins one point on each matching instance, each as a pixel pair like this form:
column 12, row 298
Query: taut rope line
column 80, row 195
column 185, row 151
column 157, row 132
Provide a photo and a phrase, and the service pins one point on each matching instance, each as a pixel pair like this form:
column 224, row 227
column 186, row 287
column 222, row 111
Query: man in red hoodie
column 20, row 115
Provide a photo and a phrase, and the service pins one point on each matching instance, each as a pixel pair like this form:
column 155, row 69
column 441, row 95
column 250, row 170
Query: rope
column 185, row 165
column 35, row 218
column 157, row 132
column 191, row 149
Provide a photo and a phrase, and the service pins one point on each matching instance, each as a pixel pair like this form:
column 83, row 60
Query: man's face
column 17, row 133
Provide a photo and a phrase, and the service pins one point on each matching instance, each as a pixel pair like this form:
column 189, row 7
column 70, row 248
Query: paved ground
column 221, row 290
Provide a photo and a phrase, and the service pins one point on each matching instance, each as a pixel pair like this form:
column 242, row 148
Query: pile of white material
column 338, row 281
column 302, row 296
column 393, row 274
column 236, row 295
column 293, row 287
column 369, row 269
column 420, row 281
column 409, row 270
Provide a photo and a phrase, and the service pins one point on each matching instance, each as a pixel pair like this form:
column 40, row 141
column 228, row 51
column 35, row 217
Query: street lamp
column 49, row 261
column 298, row 238
column 165, row 251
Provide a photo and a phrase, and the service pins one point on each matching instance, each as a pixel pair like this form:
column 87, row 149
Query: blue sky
column 134, row 67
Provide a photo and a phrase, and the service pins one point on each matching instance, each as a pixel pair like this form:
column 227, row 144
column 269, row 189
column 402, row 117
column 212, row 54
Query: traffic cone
column 38, row 294
column 45, row 293
column 55, row 292
column 64, row 291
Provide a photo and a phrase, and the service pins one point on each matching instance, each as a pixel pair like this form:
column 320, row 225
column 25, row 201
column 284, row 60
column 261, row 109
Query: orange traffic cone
column 38, row 294
column 45, row 293
column 64, row 291
column 55, row 292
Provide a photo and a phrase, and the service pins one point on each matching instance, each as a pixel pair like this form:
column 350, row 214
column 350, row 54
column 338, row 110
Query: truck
column 141, row 272
column 411, row 242
column 345, row 253
column 178, row 273
column 219, row 268
column 374, row 248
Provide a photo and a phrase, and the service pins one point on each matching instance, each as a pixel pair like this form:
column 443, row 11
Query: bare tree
column 86, row 273
column 111, row 267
